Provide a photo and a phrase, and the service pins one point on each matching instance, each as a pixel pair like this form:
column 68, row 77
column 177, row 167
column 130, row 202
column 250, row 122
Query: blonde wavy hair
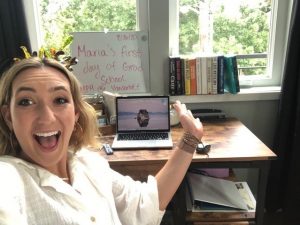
column 86, row 131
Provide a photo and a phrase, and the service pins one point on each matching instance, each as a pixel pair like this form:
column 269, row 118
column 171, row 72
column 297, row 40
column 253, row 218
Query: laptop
column 142, row 122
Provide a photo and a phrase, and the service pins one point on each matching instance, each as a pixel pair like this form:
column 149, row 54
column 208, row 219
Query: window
column 162, row 17
column 249, row 29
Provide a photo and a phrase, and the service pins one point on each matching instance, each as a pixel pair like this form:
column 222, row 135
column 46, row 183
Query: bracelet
column 188, row 142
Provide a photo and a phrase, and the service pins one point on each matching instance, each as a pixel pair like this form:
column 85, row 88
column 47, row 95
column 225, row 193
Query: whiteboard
column 113, row 61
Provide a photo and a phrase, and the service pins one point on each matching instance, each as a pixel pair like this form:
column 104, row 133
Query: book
column 187, row 77
column 172, row 76
column 236, row 73
column 204, row 75
column 209, row 75
column 182, row 67
column 178, row 85
column 193, row 81
column 198, row 75
column 214, row 74
column 229, row 77
column 216, row 193
column 220, row 74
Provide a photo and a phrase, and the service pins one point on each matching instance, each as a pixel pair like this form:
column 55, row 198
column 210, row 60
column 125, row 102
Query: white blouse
column 31, row 195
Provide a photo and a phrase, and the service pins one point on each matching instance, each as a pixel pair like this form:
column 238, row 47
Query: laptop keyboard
column 144, row 136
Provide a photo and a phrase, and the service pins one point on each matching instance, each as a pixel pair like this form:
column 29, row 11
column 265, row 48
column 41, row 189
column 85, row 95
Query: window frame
column 277, row 44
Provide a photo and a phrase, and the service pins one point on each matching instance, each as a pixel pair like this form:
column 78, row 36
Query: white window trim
column 174, row 27
column 32, row 18
column 142, row 15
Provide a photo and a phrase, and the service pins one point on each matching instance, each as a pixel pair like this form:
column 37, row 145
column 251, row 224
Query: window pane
column 239, row 27
column 60, row 18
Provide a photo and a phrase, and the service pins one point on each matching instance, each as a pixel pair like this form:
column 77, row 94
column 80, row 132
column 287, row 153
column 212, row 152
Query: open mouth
column 47, row 140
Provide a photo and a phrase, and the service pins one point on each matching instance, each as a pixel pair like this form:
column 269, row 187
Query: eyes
column 25, row 102
column 56, row 101
column 61, row 101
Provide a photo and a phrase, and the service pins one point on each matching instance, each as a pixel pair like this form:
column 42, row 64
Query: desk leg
column 179, row 205
column 261, row 192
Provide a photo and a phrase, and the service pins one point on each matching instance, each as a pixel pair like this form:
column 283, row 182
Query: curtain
column 283, row 191
column 13, row 32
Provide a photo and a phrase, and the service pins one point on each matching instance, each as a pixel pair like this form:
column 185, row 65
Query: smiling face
column 42, row 115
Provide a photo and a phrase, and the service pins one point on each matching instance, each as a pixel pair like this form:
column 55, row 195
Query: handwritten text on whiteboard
column 116, row 61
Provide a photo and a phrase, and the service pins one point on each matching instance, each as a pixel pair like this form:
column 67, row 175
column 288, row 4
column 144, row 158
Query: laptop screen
column 143, row 113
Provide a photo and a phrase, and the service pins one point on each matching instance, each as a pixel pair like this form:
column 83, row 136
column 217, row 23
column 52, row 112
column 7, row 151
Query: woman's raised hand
column 187, row 120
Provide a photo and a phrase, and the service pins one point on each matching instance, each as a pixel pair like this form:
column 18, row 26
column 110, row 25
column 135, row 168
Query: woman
column 49, row 175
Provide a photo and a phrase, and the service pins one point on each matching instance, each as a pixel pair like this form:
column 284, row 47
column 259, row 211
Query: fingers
column 182, row 110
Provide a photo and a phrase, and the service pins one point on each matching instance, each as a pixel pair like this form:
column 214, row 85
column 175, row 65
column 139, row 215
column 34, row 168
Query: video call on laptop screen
column 142, row 114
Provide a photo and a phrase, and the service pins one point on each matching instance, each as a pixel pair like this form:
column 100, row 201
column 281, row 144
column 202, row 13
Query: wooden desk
column 232, row 146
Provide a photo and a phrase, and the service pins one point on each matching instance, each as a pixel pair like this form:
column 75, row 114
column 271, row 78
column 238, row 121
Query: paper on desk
column 215, row 191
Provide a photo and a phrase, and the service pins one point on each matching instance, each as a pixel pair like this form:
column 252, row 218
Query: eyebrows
column 52, row 89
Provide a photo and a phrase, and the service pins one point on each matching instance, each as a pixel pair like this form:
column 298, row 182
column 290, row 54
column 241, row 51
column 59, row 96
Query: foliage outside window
column 238, row 27
column 60, row 18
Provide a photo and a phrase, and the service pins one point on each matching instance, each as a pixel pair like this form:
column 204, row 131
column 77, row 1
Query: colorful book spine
column 193, row 83
column 214, row 74
column 204, row 75
column 221, row 74
column 229, row 81
column 209, row 75
column 178, row 76
column 182, row 66
column 198, row 75
column 172, row 76
column 236, row 73
column 187, row 77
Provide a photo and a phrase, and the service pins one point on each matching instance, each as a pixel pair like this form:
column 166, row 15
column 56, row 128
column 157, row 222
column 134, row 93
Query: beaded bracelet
column 188, row 143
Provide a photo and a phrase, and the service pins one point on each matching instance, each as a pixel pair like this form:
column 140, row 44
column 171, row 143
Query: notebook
column 142, row 122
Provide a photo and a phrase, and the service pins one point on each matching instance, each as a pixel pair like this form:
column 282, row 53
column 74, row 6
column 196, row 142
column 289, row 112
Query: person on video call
column 49, row 171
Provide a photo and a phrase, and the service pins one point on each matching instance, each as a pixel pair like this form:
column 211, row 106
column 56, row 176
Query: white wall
column 159, row 46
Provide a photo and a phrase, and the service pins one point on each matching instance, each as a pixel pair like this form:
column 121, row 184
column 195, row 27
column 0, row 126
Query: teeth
column 47, row 134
